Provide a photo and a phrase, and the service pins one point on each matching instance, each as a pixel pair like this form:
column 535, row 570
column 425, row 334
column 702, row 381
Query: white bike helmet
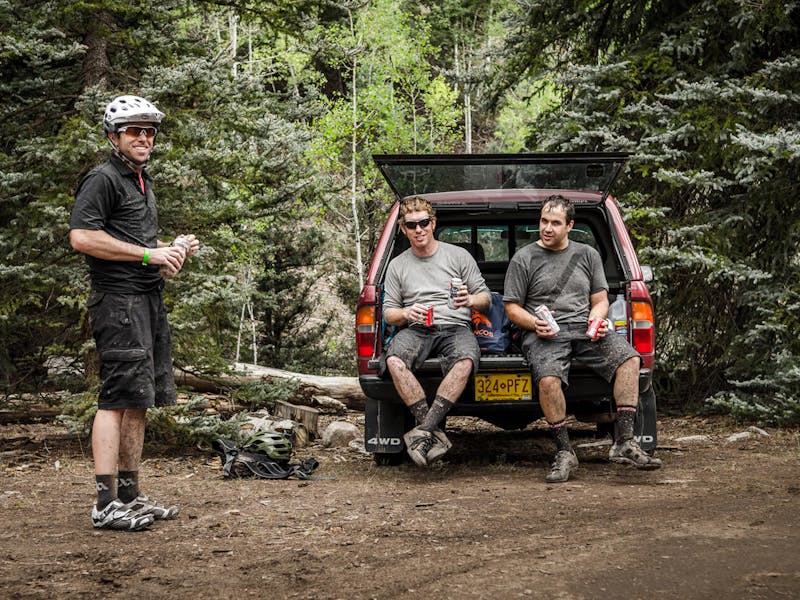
column 129, row 109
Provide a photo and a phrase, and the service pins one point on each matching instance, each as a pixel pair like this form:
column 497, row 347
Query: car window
column 455, row 234
column 494, row 241
column 486, row 243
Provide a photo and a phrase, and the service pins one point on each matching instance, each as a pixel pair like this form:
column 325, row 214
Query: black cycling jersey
column 110, row 198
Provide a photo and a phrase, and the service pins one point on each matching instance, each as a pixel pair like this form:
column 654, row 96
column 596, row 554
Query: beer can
column 455, row 284
column 594, row 328
column 544, row 314
column 429, row 316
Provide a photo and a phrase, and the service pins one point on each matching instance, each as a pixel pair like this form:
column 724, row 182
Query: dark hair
column 559, row 202
column 414, row 204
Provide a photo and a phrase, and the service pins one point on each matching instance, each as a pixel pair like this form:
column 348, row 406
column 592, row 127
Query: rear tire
column 389, row 459
column 605, row 429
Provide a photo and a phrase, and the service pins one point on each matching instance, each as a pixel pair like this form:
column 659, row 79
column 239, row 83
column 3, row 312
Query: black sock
column 128, row 485
column 438, row 411
column 625, row 417
column 105, row 490
column 419, row 409
column 559, row 432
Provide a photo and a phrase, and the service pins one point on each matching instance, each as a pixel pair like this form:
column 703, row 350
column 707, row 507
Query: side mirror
column 647, row 273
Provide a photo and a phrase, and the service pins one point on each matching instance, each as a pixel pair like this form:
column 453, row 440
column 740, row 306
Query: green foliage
column 181, row 426
column 265, row 394
column 229, row 162
column 265, row 155
column 77, row 412
column 706, row 98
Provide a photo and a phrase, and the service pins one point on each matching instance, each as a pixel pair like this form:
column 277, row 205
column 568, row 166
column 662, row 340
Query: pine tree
column 228, row 163
column 705, row 96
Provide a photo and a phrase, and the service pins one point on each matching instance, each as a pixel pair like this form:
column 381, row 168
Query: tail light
column 365, row 331
column 643, row 327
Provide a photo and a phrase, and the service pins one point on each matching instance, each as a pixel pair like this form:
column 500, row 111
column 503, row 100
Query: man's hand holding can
column 418, row 313
column 545, row 324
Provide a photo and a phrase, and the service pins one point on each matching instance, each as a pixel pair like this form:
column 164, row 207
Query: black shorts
column 553, row 356
column 451, row 343
column 135, row 348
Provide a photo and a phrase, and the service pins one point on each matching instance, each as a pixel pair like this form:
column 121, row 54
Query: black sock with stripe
column 438, row 411
column 128, row 485
column 561, row 436
column 419, row 409
column 105, row 490
column 625, row 417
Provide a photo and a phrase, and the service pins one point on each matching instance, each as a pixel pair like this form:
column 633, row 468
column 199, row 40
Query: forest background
column 274, row 109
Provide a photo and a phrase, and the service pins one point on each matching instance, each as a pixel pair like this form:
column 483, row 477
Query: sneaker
column 630, row 453
column 418, row 444
column 564, row 463
column 440, row 446
column 117, row 515
column 145, row 506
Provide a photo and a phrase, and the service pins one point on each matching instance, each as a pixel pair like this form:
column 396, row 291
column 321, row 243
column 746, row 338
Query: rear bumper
column 584, row 395
column 589, row 398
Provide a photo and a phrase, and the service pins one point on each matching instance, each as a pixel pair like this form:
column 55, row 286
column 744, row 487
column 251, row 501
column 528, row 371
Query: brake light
column 643, row 327
column 365, row 331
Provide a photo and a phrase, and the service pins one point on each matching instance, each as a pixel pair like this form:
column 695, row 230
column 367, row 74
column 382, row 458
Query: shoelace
column 425, row 445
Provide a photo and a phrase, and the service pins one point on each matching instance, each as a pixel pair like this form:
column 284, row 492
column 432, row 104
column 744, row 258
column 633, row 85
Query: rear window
column 498, row 243
column 487, row 243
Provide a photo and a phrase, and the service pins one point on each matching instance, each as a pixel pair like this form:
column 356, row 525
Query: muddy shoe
column 117, row 515
column 562, row 466
column 440, row 446
column 145, row 506
column 629, row 453
column 418, row 443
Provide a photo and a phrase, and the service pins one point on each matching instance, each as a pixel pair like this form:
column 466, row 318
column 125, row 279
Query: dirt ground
column 720, row 520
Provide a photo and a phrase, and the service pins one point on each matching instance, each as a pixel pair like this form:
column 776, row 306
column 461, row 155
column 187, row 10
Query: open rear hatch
column 411, row 174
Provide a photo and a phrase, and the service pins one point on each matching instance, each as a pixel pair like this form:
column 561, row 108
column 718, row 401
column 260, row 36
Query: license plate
column 502, row 387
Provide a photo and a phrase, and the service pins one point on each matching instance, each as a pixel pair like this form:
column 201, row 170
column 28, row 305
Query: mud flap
column 384, row 426
column 644, row 425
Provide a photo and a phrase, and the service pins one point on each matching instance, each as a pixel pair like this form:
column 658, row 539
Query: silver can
column 544, row 314
column 455, row 284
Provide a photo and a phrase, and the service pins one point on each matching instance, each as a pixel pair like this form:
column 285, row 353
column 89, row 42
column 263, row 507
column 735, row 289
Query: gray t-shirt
column 534, row 272
column 412, row 279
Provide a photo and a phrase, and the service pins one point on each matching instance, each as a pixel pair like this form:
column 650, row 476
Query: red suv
column 490, row 204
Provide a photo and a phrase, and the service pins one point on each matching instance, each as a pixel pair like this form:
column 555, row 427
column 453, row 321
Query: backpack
column 492, row 327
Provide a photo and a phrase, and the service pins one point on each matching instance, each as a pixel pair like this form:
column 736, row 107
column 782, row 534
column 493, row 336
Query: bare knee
column 629, row 366
column 395, row 364
column 549, row 385
column 463, row 367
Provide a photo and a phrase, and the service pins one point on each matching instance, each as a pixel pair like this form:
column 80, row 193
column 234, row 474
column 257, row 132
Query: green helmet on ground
column 275, row 445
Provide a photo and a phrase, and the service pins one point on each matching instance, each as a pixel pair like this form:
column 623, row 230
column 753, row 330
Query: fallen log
column 345, row 389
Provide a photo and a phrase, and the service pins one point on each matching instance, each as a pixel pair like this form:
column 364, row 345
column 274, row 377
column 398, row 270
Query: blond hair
column 414, row 204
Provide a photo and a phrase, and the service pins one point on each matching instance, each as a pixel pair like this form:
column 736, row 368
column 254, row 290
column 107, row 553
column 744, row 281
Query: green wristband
column 146, row 257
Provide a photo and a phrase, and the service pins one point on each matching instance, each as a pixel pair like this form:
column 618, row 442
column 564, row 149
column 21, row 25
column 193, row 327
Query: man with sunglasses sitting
column 114, row 223
column 418, row 282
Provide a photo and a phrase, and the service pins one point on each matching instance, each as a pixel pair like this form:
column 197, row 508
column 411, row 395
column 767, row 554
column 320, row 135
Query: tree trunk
column 96, row 65
column 345, row 389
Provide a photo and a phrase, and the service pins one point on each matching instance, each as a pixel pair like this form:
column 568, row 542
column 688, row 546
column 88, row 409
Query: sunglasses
column 136, row 131
column 412, row 225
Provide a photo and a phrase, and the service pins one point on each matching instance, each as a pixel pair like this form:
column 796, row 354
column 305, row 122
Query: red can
column 429, row 317
column 594, row 328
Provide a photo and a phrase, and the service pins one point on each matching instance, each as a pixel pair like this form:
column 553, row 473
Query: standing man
column 568, row 277
column 114, row 224
column 417, row 281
